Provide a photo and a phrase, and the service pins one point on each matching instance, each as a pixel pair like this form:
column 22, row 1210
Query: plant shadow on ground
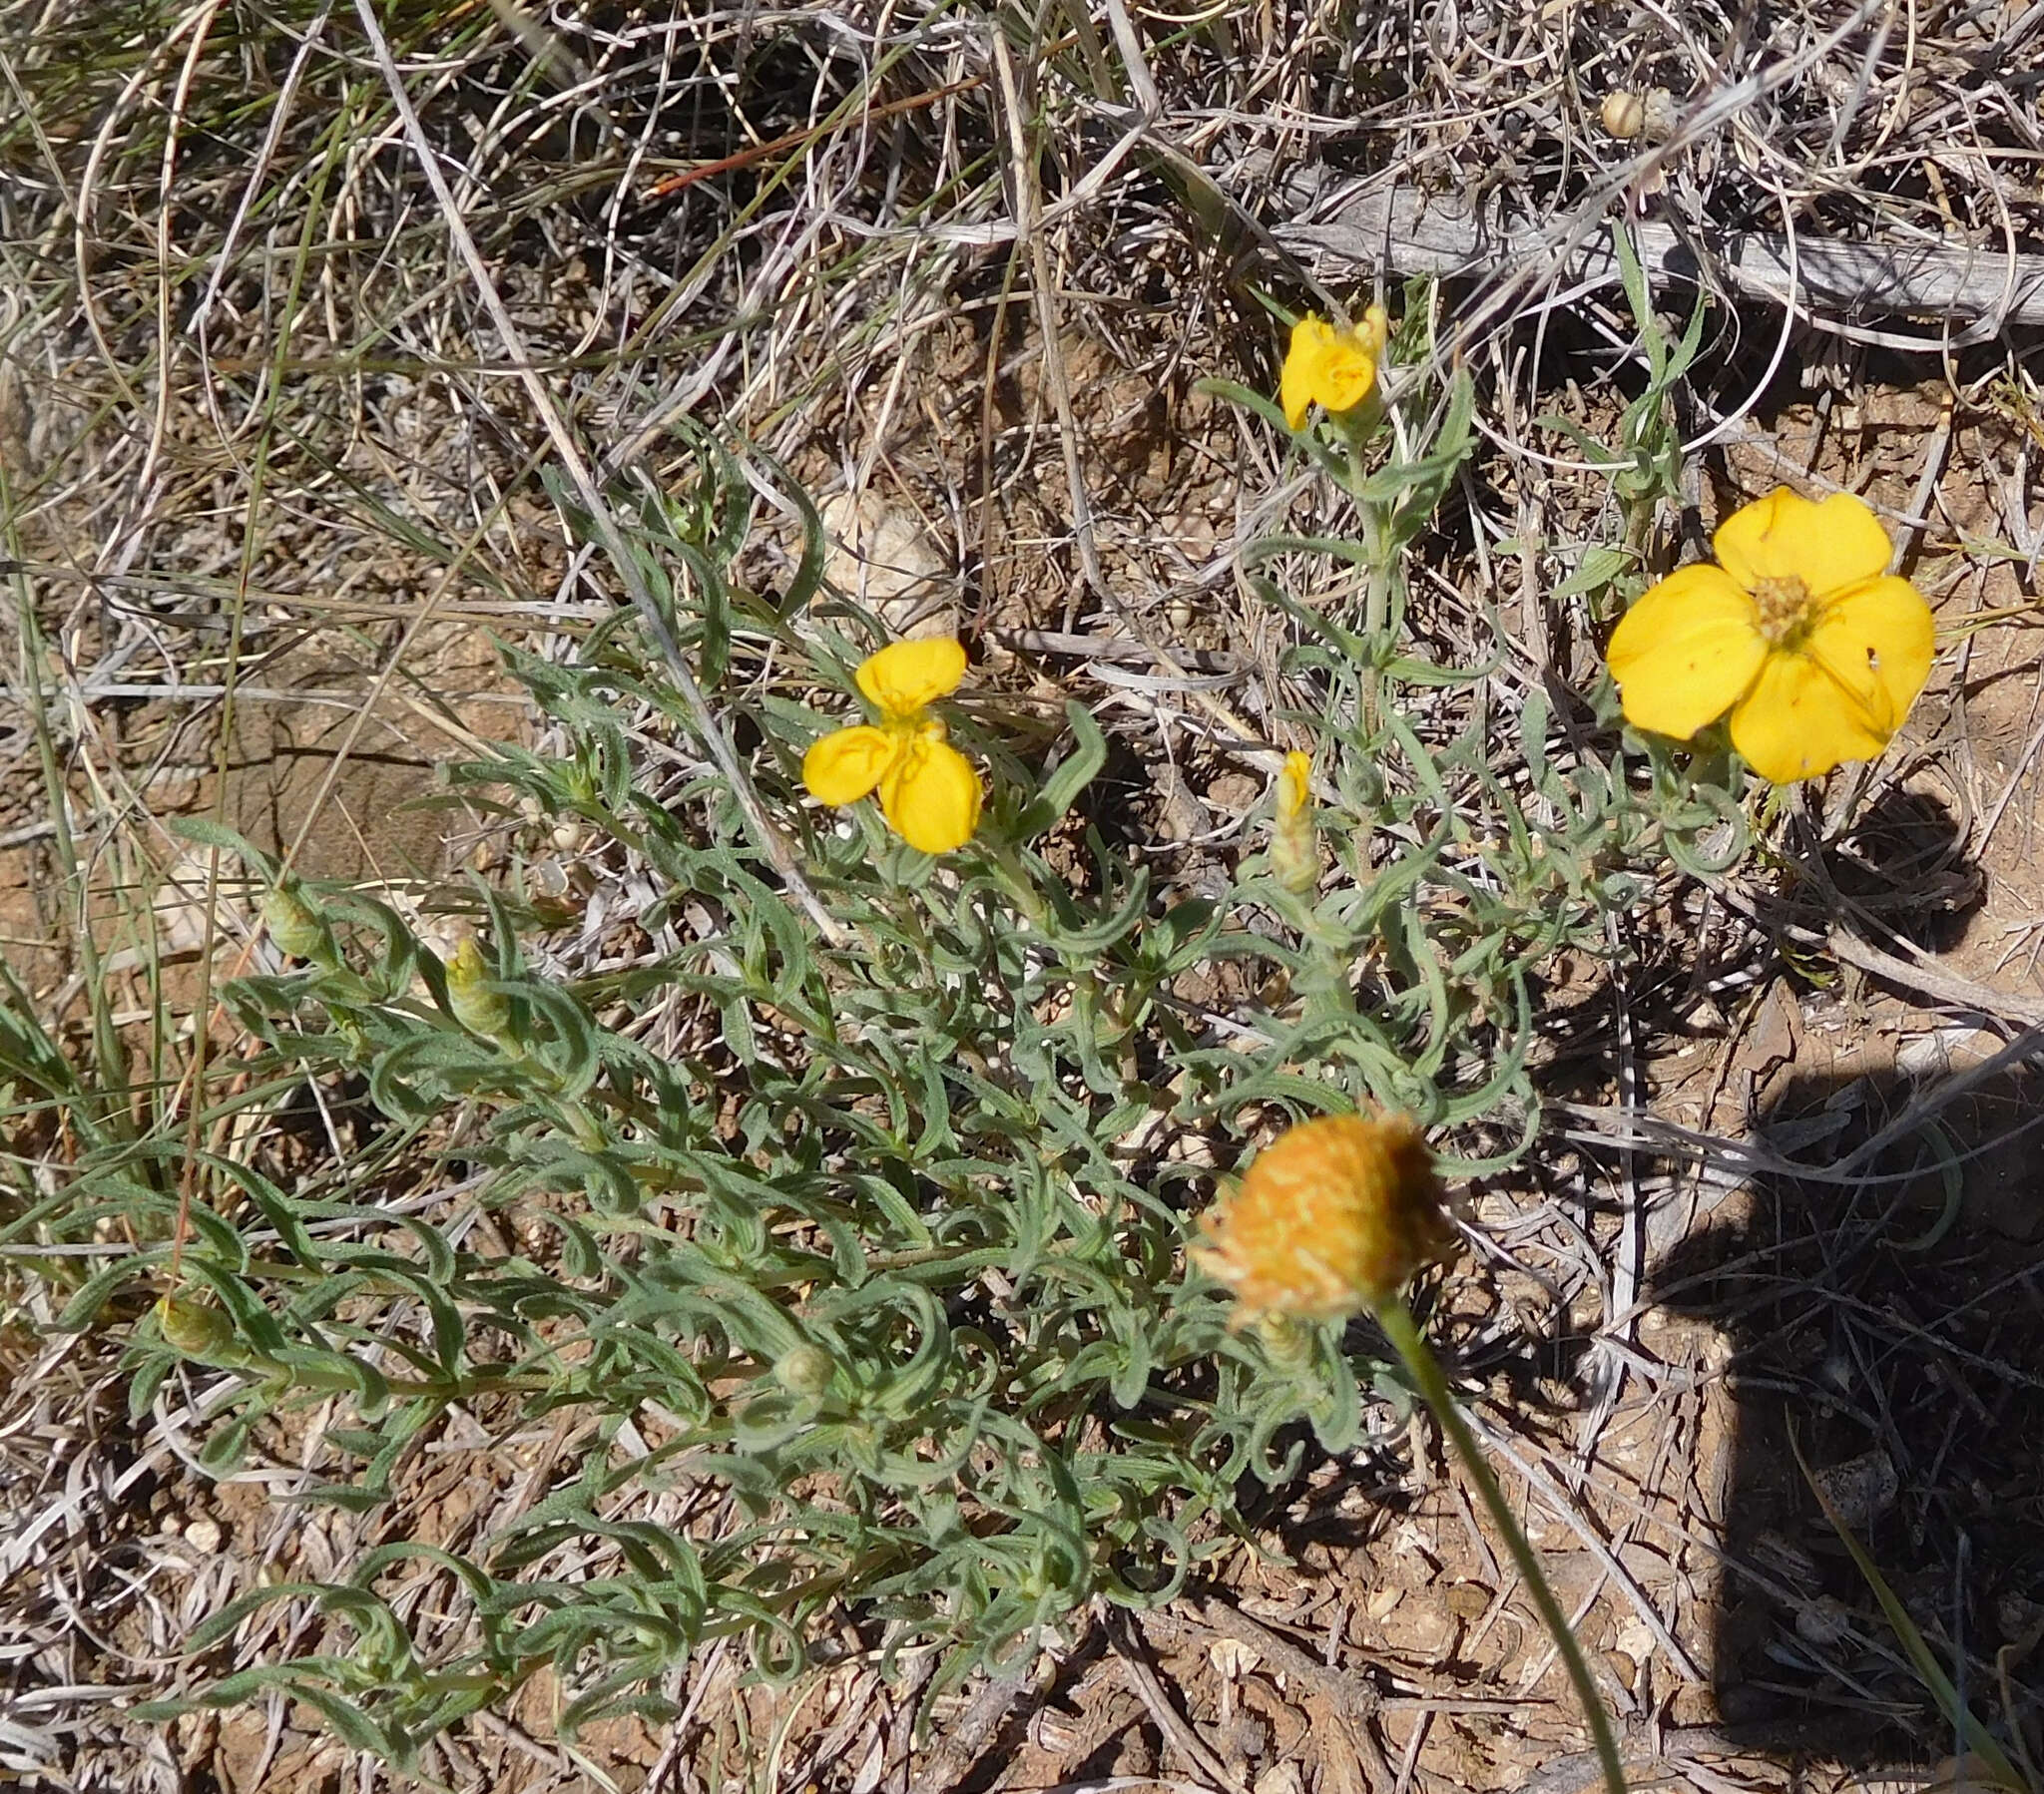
column 1877, row 1280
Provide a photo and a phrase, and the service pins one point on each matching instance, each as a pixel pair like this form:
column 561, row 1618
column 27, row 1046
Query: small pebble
column 1468, row 1600
column 1824, row 1621
column 1624, row 115
column 1861, row 1488
column 1658, row 115
column 203, row 1536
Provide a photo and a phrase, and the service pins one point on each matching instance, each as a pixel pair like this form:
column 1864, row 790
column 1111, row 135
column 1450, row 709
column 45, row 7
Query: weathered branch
column 1407, row 233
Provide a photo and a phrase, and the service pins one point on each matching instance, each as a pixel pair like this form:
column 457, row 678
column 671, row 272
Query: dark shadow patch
column 1882, row 1284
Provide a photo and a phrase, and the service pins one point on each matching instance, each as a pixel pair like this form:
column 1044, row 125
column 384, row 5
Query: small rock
column 1824, row 1621
column 1861, row 1488
column 1633, row 1640
column 1469, row 1600
column 203, row 1536
column 884, row 556
column 1624, row 115
column 1424, row 1628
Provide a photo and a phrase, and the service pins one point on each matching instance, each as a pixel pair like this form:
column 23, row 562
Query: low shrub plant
column 852, row 1266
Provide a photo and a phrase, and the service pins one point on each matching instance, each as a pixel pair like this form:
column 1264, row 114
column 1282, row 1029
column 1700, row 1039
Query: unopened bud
column 295, row 925
column 805, row 1371
column 1333, row 1217
column 194, row 1329
column 477, row 1005
column 1288, row 1340
column 1295, row 845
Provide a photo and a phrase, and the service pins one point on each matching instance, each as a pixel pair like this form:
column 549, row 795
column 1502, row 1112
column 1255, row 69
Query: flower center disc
column 1787, row 614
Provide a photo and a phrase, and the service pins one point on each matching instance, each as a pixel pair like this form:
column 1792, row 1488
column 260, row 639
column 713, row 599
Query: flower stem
column 1400, row 1328
column 1376, row 615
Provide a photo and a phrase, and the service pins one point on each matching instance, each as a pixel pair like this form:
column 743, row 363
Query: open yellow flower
column 1333, row 1217
column 1800, row 630
column 929, row 792
column 1331, row 367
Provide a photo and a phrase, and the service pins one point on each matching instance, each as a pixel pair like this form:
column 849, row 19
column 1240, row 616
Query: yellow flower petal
column 1878, row 642
column 1799, row 721
column 931, row 794
column 1299, row 379
column 1294, row 848
column 1330, row 367
column 1686, row 651
column 1295, row 786
column 848, row 762
column 1829, row 547
column 905, row 676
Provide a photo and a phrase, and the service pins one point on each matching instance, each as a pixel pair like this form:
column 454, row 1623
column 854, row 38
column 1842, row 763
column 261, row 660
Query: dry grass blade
column 596, row 506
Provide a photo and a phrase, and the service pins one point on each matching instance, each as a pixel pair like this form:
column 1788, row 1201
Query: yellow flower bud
column 194, row 1329
column 1295, row 845
column 295, row 925
column 476, row 1006
column 1333, row 1217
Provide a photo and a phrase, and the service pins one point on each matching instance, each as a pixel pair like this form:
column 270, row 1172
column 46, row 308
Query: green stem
column 1006, row 861
column 1400, row 1328
column 1376, row 615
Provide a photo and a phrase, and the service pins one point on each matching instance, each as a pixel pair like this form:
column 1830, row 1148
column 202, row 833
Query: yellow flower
column 928, row 789
column 1800, row 630
column 1333, row 1217
column 1295, row 854
column 1330, row 367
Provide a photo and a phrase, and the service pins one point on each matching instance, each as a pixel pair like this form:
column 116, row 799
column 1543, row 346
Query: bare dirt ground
column 1887, row 1322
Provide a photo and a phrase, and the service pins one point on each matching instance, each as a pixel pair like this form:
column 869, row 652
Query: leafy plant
column 872, row 1246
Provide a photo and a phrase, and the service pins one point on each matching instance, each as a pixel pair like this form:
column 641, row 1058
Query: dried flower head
column 1624, row 114
column 1333, row 1217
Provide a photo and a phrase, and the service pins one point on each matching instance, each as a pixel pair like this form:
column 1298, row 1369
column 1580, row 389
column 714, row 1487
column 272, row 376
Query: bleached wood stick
column 1407, row 233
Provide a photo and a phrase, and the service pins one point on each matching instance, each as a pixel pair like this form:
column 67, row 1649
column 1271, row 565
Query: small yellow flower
column 928, row 791
column 1800, row 630
column 1294, row 852
column 1333, row 1217
column 1331, row 367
